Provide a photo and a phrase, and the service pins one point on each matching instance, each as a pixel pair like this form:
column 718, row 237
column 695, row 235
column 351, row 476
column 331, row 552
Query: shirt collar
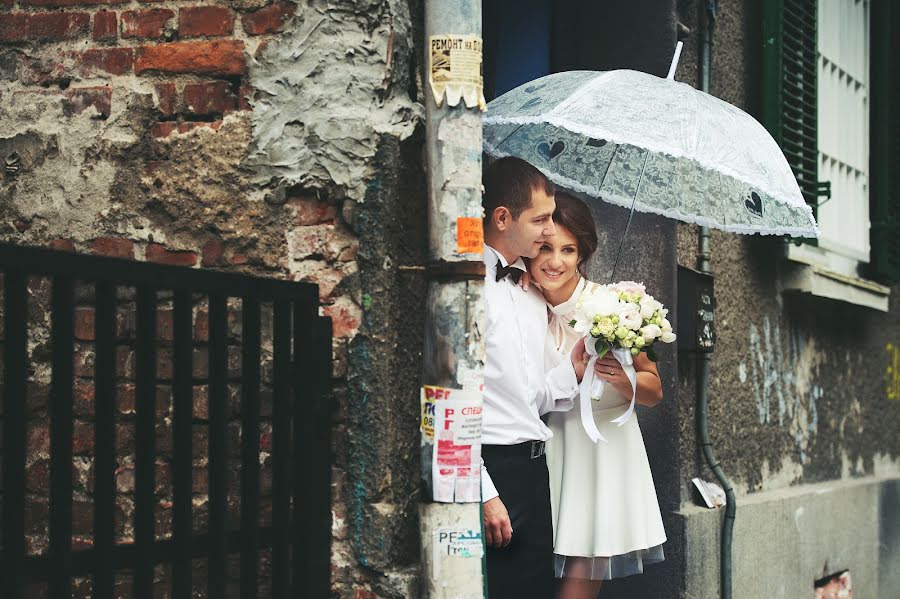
column 492, row 257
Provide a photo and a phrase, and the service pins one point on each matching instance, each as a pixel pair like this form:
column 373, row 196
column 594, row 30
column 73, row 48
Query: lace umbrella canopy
column 654, row 145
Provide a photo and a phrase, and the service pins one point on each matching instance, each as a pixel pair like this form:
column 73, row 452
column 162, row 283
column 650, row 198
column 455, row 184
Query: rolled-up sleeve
column 560, row 389
column 488, row 490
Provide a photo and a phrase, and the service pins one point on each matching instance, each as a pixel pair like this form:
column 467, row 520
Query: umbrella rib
column 630, row 214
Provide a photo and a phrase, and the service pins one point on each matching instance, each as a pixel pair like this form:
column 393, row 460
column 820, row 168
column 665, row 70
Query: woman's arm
column 649, row 387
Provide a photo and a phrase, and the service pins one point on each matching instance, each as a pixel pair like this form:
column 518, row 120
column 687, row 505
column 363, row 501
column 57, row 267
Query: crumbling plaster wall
column 284, row 141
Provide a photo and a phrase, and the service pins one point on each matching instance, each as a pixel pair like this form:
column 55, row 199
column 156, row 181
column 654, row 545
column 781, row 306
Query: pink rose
column 629, row 287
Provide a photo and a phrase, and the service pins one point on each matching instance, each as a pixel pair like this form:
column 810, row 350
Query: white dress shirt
column 517, row 389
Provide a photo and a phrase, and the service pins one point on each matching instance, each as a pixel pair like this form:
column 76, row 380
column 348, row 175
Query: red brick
column 48, row 26
column 167, row 98
column 149, row 23
column 205, row 20
column 105, row 25
column 58, row 26
column 65, row 245
column 80, row 99
column 82, row 438
column 159, row 254
column 165, row 324
column 163, row 129
column 309, row 210
column 84, row 399
column 268, row 19
column 84, row 324
column 116, row 247
column 244, row 97
column 70, row 2
column 115, row 61
column 223, row 57
column 209, row 98
column 14, row 27
column 212, row 252
column 346, row 317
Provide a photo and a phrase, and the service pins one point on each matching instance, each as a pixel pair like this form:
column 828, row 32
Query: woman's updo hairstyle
column 576, row 217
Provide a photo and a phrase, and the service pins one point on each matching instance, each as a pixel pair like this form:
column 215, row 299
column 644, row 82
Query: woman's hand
column 525, row 280
column 610, row 371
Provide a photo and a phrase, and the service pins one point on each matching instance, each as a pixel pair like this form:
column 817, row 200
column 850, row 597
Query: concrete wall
column 802, row 413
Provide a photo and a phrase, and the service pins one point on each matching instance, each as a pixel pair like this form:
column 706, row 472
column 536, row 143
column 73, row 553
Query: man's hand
column 580, row 358
column 497, row 527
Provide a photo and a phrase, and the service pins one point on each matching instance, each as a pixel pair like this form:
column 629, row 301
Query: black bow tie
column 514, row 273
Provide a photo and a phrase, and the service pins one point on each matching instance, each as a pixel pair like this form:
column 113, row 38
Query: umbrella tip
column 674, row 65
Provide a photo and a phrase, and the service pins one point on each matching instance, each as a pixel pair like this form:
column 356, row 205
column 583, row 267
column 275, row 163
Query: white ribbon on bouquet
column 592, row 386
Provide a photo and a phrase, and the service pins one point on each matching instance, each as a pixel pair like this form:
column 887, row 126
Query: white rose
column 649, row 306
column 630, row 316
column 582, row 325
column 651, row 332
column 667, row 337
column 666, row 326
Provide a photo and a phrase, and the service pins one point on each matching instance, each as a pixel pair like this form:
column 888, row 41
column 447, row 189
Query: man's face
column 527, row 233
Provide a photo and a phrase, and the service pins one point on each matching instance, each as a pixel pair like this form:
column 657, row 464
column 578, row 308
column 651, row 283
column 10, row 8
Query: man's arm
column 497, row 527
column 561, row 383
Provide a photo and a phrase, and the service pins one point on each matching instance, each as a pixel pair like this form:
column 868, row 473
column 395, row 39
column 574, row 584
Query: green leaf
column 572, row 322
column 602, row 347
column 651, row 354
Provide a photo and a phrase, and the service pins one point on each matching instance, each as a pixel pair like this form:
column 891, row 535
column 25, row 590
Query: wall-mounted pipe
column 703, row 358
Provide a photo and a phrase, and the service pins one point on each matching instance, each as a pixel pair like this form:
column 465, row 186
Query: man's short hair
column 510, row 182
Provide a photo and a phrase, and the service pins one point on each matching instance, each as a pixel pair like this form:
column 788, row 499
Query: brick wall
column 129, row 128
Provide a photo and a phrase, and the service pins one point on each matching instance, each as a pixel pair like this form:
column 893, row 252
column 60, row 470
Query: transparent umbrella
column 654, row 145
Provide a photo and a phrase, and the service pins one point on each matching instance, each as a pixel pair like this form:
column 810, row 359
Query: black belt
column 526, row 449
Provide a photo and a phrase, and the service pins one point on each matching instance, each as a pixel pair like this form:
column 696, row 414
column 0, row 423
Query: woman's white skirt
column 606, row 518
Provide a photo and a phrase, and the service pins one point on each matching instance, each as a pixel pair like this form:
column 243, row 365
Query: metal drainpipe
column 703, row 358
column 453, row 355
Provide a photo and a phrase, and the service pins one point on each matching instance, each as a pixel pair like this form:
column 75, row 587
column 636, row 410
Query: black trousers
column 524, row 568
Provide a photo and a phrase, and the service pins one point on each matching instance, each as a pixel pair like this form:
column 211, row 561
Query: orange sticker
column 469, row 235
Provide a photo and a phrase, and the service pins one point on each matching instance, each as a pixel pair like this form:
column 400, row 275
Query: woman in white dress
column 606, row 519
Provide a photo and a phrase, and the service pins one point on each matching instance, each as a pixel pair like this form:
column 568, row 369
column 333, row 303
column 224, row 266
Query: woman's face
column 557, row 261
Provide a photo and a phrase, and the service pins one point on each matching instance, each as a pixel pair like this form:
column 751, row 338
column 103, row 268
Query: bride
column 606, row 519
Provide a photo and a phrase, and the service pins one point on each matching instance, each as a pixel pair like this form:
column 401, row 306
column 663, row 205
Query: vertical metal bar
column 250, row 338
column 321, row 571
column 62, row 339
column 304, row 426
column 218, row 458
column 182, row 398
column 145, row 408
column 281, row 462
column 104, row 439
column 15, row 373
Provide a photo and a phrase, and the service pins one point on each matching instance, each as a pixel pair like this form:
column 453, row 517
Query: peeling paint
column 785, row 375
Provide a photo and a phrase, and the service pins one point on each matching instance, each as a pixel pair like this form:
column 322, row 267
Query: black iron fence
column 295, row 537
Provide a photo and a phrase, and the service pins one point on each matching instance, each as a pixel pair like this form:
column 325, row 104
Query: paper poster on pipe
column 456, row 459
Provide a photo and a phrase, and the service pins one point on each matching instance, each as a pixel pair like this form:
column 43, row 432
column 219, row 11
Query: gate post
column 450, row 515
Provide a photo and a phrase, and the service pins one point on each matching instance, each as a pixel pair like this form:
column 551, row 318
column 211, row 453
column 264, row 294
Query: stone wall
column 281, row 139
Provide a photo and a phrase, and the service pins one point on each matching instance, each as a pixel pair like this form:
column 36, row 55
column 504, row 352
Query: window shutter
column 885, row 142
column 789, row 89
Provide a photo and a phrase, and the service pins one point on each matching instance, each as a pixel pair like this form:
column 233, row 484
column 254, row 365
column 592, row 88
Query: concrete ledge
column 784, row 540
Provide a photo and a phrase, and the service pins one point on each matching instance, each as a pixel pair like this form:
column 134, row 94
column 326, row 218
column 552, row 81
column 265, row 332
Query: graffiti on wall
column 781, row 374
column 892, row 372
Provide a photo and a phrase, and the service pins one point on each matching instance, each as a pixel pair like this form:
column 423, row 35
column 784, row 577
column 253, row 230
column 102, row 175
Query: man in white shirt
column 518, row 204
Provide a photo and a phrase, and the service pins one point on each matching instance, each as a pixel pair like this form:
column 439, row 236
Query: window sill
column 819, row 272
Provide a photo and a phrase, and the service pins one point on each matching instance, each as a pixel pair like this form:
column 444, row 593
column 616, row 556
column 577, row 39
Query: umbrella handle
column 674, row 65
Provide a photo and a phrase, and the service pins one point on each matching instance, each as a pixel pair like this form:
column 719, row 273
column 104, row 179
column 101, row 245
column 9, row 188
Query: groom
column 518, row 207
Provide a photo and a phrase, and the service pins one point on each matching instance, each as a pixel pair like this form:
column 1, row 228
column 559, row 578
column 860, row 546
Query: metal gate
column 290, row 524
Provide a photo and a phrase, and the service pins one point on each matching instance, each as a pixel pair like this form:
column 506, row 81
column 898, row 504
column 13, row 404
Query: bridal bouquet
column 622, row 316
column 625, row 320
